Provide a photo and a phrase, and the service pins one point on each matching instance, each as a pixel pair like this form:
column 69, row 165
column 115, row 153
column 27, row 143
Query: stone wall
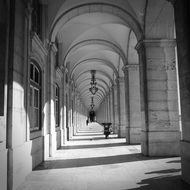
column 162, row 134
column 25, row 149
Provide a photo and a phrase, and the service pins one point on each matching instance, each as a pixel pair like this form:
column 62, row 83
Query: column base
column 58, row 138
column 52, row 144
column 115, row 129
column 63, row 137
column 185, row 161
column 133, row 135
column 165, row 143
column 46, row 147
column 23, row 159
column 3, row 168
column 122, row 131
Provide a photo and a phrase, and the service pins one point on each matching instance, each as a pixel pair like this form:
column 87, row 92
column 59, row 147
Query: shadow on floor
column 83, row 162
column 92, row 146
column 164, row 171
column 89, row 132
column 174, row 161
column 93, row 138
column 167, row 182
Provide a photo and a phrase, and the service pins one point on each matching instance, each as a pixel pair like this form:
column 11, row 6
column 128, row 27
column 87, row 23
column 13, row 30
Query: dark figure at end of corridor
column 107, row 129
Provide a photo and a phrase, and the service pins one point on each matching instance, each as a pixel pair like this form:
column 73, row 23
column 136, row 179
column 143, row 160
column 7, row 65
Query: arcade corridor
column 89, row 162
column 66, row 64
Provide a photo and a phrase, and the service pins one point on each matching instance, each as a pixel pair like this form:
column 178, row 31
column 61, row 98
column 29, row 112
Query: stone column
column 161, row 131
column 113, row 108
column 64, row 136
column 52, row 142
column 108, row 108
column 182, row 9
column 116, row 108
column 125, row 102
column 62, row 109
column 70, row 111
column 122, row 108
column 77, row 114
column 27, row 37
column 133, row 111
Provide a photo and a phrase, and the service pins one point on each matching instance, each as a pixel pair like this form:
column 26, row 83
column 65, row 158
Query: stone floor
column 90, row 162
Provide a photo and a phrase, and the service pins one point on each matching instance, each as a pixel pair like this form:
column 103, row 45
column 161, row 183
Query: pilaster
column 116, row 109
column 123, row 122
column 52, row 141
column 133, row 112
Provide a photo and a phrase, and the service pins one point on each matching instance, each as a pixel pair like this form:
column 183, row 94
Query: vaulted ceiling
column 98, row 35
column 95, row 41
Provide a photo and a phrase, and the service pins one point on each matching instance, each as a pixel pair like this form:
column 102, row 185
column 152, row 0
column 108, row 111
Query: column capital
column 155, row 43
column 28, row 9
column 120, row 79
column 172, row 2
column 117, row 80
column 140, row 46
column 64, row 69
column 112, row 86
column 52, row 47
column 130, row 67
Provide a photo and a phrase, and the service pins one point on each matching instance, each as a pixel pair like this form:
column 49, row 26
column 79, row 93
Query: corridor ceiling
column 95, row 40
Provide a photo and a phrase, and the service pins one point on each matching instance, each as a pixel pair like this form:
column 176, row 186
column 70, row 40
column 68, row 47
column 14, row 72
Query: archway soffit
column 118, row 11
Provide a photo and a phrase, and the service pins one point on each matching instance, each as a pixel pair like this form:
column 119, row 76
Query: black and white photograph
column 94, row 94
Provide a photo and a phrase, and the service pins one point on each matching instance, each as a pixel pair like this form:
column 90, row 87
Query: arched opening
column 104, row 42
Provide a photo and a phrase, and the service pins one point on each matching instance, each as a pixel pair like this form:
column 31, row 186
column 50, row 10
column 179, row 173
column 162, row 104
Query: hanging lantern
column 93, row 89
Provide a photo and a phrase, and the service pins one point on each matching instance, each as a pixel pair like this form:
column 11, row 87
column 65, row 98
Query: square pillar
column 160, row 134
column 52, row 137
column 123, row 125
column 133, row 109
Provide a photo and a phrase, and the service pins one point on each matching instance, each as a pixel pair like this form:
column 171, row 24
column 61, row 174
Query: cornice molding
column 36, row 42
column 155, row 43
column 130, row 67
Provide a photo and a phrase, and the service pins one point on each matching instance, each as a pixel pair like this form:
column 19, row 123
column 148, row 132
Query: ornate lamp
column 93, row 89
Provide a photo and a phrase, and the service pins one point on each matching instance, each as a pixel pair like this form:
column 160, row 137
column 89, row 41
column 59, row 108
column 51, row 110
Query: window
column 35, row 97
column 57, row 117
